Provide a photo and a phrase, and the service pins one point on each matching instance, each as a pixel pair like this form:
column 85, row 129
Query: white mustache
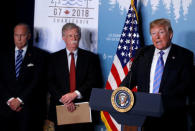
column 74, row 42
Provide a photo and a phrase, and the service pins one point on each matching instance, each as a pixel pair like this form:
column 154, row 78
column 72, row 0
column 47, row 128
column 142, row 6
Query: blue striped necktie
column 18, row 62
column 158, row 73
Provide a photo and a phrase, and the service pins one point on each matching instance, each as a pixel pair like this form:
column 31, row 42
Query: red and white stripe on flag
column 126, row 49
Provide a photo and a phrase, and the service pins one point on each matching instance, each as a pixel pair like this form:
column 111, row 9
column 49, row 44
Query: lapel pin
column 173, row 57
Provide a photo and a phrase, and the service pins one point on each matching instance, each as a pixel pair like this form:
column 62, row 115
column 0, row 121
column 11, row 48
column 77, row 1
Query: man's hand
column 19, row 109
column 68, row 98
column 15, row 104
column 70, row 107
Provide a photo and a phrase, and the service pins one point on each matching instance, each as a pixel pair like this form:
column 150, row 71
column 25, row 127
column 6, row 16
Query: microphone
column 139, row 53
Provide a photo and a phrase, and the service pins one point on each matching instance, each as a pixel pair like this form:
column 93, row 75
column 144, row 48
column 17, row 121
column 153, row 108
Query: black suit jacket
column 87, row 71
column 175, row 87
column 31, row 84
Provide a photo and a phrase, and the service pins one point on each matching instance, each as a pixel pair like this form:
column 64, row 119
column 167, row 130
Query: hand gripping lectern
column 145, row 104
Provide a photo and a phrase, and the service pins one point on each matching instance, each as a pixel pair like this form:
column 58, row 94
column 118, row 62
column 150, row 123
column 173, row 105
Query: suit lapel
column 63, row 67
column 11, row 64
column 170, row 64
column 148, row 57
column 65, row 62
column 81, row 66
column 78, row 64
column 26, row 60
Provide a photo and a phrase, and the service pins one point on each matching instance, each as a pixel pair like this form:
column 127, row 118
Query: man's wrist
column 79, row 96
column 10, row 100
column 20, row 100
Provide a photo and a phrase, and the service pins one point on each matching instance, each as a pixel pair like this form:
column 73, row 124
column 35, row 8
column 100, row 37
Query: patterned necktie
column 18, row 62
column 72, row 74
column 158, row 73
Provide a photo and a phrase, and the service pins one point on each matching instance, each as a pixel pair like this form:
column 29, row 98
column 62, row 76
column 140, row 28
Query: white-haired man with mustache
column 64, row 88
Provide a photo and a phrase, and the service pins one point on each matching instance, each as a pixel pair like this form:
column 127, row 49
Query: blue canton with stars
column 129, row 40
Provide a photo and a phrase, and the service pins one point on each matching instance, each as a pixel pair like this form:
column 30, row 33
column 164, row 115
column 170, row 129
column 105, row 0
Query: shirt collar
column 166, row 51
column 75, row 52
column 24, row 48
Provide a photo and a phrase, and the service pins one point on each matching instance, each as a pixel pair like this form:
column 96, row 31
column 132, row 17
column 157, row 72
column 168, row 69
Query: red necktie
column 72, row 74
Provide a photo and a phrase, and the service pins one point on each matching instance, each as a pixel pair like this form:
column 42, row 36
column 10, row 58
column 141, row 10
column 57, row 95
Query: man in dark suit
column 60, row 80
column 22, row 84
column 173, row 82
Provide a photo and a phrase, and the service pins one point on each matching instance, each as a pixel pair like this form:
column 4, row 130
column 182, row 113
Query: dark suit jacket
column 30, row 86
column 86, row 77
column 175, row 84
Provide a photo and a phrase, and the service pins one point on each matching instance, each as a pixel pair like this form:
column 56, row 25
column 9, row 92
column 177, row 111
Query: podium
column 145, row 105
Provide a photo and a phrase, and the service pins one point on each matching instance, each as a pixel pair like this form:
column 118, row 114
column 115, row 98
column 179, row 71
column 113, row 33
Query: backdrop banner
column 51, row 15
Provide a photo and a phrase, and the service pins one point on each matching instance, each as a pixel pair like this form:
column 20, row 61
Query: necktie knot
column 20, row 51
column 161, row 53
column 72, row 54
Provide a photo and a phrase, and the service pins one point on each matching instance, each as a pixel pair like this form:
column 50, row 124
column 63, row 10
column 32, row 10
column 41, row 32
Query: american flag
column 126, row 49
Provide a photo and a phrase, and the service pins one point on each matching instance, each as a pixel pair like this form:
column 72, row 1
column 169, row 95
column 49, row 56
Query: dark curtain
column 13, row 12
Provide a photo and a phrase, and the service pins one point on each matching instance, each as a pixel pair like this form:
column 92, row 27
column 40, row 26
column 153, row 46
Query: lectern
column 145, row 104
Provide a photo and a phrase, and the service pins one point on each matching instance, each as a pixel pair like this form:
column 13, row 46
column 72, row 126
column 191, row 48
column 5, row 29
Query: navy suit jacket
column 30, row 86
column 176, row 83
column 87, row 72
